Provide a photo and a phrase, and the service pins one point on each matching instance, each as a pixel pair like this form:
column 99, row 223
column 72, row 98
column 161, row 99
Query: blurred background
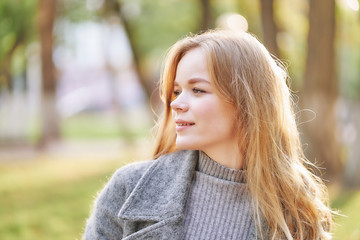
column 79, row 98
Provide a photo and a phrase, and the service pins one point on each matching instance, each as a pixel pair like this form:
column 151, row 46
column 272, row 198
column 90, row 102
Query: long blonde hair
column 287, row 198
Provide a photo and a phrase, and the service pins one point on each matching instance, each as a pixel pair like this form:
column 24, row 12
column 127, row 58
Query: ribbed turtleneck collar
column 208, row 166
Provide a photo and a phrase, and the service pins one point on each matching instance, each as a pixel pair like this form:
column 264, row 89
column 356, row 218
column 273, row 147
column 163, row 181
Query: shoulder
column 125, row 179
column 144, row 176
column 129, row 175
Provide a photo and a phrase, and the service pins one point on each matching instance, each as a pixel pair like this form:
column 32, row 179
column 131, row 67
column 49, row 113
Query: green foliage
column 348, row 223
column 157, row 24
column 348, row 52
column 17, row 28
column 16, row 15
column 17, row 24
column 50, row 199
column 74, row 11
column 292, row 21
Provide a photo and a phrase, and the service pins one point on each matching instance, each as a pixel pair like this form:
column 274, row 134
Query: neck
column 229, row 156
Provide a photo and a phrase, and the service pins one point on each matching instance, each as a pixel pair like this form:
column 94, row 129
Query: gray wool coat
column 144, row 200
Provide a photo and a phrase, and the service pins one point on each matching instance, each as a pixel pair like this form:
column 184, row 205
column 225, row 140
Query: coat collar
column 162, row 191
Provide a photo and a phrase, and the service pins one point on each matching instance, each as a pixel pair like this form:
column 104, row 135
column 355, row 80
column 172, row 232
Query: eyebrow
column 194, row 80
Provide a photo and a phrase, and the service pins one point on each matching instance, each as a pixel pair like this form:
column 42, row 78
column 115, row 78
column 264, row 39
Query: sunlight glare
column 353, row 4
column 233, row 21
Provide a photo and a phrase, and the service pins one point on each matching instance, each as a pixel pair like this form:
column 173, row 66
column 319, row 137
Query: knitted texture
column 218, row 205
column 147, row 200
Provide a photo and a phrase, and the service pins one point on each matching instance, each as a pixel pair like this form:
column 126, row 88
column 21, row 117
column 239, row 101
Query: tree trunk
column 269, row 27
column 50, row 123
column 320, row 90
column 113, row 7
column 148, row 87
column 206, row 17
column 5, row 66
column 6, row 84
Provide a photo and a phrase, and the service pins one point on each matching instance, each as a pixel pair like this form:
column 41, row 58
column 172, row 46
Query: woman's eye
column 196, row 90
column 176, row 92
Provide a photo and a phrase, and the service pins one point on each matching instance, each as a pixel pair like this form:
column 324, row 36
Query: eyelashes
column 197, row 90
column 194, row 90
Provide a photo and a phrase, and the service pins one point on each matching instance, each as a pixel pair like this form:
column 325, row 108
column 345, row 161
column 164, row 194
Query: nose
column 179, row 104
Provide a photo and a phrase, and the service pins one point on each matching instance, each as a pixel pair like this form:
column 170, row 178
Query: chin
column 182, row 145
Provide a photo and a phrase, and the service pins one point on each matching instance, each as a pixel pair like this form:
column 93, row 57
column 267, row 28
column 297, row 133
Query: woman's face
column 204, row 121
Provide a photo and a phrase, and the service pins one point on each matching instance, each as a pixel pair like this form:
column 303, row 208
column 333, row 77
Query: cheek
column 216, row 113
column 205, row 111
column 225, row 117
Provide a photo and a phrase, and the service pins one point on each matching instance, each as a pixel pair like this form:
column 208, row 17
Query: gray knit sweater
column 156, row 199
column 218, row 205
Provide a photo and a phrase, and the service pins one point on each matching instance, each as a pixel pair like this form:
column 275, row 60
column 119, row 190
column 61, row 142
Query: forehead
column 194, row 81
column 192, row 67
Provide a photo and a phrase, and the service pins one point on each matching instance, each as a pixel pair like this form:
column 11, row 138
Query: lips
column 182, row 125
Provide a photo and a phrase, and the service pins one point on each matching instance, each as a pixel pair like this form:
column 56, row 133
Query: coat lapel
column 158, row 200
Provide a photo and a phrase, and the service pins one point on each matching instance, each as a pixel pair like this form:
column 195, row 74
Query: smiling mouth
column 185, row 124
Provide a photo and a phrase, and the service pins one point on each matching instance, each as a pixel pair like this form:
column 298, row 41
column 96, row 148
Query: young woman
column 229, row 163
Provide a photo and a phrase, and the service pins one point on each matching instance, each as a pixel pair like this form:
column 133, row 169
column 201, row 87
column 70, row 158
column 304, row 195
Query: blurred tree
column 320, row 89
column 16, row 30
column 111, row 9
column 206, row 18
column 352, row 167
column 50, row 121
column 149, row 29
column 349, row 83
column 251, row 10
column 269, row 27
